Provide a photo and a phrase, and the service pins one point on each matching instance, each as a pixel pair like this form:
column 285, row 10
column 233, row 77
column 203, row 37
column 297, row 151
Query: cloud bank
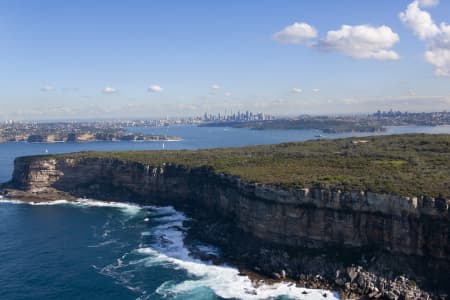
column 436, row 37
column 359, row 42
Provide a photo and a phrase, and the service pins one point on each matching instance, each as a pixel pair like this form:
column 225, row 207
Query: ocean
column 109, row 250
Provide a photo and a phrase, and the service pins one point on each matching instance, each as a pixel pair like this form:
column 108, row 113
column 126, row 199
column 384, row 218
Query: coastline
column 27, row 197
column 363, row 276
column 353, row 282
column 257, row 280
column 92, row 141
column 360, row 243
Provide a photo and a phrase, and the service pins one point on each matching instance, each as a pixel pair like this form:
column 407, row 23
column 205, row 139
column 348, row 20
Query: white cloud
column 428, row 3
column 155, row 89
column 227, row 94
column 437, row 37
column 48, row 88
column 297, row 33
column 109, row 90
column 296, row 90
column 419, row 21
column 215, row 87
column 362, row 42
column 440, row 58
column 316, row 90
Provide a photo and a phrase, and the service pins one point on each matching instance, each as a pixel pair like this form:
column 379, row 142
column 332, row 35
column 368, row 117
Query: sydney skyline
column 149, row 59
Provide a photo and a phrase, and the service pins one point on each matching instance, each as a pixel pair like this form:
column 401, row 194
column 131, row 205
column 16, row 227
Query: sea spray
column 129, row 208
column 161, row 245
column 166, row 248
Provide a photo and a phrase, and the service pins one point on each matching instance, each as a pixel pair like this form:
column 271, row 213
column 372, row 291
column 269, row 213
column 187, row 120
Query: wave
column 226, row 282
column 14, row 201
column 162, row 246
column 128, row 208
column 168, row 250
column 11, row 201
column 102, row 244
column 47, row 203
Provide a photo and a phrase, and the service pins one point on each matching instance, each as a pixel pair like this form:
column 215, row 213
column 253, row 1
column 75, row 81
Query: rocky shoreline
column 44, row 196
column 363, row 277
column 360, row 244
column 353, row 274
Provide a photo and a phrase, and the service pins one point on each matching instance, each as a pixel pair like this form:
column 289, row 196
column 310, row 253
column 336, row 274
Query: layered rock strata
column 295, row 227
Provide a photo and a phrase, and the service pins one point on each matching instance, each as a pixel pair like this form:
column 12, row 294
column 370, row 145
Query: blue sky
column 88, row 59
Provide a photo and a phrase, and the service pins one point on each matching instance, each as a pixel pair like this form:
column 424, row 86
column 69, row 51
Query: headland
column 365, row 216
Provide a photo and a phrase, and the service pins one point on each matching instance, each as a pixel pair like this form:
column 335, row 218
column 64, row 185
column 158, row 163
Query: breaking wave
column 161, row 234
column 163, row 246
column 128, row 208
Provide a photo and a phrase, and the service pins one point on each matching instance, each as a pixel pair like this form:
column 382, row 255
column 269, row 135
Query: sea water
column 109, row 250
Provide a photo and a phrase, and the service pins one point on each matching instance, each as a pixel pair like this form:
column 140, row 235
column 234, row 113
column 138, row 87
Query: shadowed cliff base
column 360, row 242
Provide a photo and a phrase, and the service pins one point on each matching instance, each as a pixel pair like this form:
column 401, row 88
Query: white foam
column 55, row 202
column 225, row 281
column 169, row 250
column 128, row 208
column 12, row 201
column 102, row 244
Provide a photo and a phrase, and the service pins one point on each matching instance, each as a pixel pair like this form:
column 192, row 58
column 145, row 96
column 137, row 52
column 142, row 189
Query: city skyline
column 154, row 59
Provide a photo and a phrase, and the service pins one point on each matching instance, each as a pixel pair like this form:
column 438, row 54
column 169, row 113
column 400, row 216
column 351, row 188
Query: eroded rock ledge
column 355, row 241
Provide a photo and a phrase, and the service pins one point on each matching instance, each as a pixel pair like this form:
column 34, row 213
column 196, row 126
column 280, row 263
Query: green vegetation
column 409, row 165
column 325, row 124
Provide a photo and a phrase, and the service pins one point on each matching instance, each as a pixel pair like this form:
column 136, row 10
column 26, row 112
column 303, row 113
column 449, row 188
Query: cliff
column 380, row 231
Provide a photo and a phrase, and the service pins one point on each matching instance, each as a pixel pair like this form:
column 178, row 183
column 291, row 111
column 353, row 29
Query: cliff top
column 409, row 165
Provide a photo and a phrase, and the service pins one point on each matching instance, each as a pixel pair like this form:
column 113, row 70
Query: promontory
column 365, row 216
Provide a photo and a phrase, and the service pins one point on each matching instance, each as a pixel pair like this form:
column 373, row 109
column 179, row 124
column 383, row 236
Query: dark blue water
column 97, row 250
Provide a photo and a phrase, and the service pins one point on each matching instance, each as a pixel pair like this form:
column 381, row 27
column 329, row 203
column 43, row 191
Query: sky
column 166, row 58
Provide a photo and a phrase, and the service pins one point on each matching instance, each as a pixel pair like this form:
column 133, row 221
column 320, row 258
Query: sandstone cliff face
column 351, row 241
column 313, row 218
